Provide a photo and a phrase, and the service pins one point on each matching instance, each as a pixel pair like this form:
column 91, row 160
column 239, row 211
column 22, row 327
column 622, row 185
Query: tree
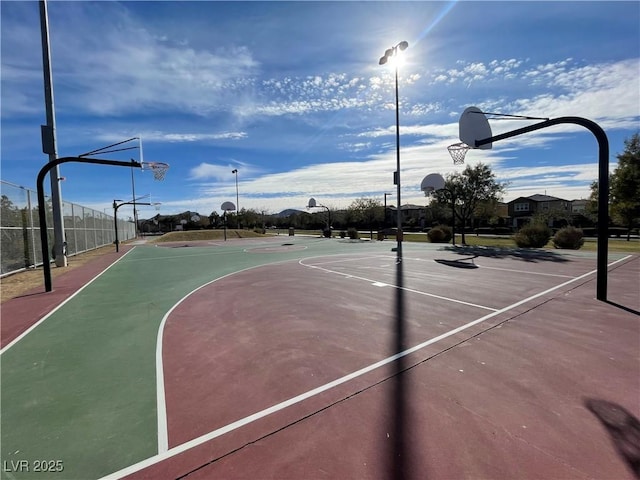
column 469, row 189
column 214, row 219
column 251, row 218
column 367, row 211
column 624, row 186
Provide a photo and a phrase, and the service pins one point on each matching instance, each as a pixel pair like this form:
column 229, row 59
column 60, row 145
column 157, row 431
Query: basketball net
column 159, row 169
column 458, row 152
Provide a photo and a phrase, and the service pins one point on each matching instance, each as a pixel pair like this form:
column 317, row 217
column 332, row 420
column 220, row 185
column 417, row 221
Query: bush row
column 537, row 236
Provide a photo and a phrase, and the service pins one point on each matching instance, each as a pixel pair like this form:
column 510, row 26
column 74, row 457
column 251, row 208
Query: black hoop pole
column 44, row 241
column 116, row 206
column 603, row 186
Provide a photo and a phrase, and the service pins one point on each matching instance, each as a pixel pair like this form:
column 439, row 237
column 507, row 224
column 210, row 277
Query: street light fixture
column 393, row 53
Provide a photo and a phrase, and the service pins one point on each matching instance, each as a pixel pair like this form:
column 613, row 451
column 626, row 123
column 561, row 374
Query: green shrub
column 533, row 235
column 353, row 233
column 439, row 234
column 259, row 230
column 326, row 232
column 343, row 234
column 568, row 237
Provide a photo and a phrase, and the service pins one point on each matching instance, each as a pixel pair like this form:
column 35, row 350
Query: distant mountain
column 288, row 212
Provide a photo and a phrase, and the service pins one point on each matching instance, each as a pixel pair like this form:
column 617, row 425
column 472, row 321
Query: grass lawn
column 195, row 235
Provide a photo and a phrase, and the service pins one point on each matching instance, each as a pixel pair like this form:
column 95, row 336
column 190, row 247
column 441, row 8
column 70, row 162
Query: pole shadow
column 622, row 427
column 622, row 307
column 402, row 451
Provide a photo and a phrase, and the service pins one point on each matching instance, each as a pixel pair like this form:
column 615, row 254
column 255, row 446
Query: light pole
column 385, row 208
column 133, row 188
column 453, row 215
column 235, row 170
column 49, row 143
column 393, row 53
column 399, row 449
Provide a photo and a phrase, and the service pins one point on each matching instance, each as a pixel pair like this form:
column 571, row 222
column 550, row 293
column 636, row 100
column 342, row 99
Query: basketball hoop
column 458, row 152
column 159, row 169
column 431, row 183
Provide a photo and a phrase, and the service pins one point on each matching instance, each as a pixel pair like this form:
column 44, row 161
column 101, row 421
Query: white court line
column 350, row 259
column 385, row 269
column 406, row 289
column 527, row 272
column 32, row 327
column 273, row 248
column 292, row 401
column 163, row 431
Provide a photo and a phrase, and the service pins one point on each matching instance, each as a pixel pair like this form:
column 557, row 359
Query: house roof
column 545, row 198
column 406, row 206
column 539, row 198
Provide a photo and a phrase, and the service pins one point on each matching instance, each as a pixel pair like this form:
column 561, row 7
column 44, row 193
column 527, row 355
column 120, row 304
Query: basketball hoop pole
column 603, row 186
column 116, row 206
column 41, row 207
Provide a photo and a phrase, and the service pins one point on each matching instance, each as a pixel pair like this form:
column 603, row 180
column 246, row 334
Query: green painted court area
column 80, row 389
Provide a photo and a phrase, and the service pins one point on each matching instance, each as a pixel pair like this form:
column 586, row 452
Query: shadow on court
column 467, row 262
column 402, row 450
column 623, row 307
column 524, row 254
column 622, row 427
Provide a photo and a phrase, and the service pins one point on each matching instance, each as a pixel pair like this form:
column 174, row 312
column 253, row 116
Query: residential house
column 579, row 206
column 413, row 216
column 522, row 209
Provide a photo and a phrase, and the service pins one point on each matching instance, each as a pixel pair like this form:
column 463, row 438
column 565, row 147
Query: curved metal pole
column 603, row 186
column 328, row 216
column 41, row 210
column 115, row 223
column 115, row 216
column 453, row 215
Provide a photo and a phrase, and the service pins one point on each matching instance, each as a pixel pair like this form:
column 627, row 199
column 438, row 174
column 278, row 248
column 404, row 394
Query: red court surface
column 527, row 393
column 286, row 371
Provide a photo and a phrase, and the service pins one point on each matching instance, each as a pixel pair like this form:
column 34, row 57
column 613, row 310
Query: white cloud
column 222, row 173
column 108, row 65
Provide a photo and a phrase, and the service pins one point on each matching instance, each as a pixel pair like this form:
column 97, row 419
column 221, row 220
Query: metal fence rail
column 20, row 247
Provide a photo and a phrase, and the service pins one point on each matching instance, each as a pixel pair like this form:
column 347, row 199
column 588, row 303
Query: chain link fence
column 20, row 247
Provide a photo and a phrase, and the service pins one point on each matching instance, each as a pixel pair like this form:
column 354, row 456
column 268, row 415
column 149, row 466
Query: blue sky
column 291, row 95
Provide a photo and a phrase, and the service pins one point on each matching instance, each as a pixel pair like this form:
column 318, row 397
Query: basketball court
column 296, row 357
